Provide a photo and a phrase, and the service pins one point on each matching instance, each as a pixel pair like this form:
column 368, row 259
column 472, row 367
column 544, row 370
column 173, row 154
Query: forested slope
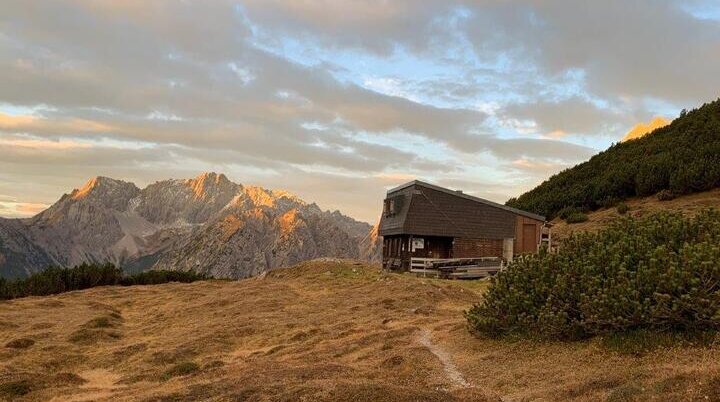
column 681, row 158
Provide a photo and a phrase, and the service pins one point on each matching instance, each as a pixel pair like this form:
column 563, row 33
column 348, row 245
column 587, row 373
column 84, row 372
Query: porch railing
column 479, row 267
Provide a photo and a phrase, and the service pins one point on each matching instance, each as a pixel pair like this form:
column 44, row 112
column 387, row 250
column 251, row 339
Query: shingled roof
column 430, row 210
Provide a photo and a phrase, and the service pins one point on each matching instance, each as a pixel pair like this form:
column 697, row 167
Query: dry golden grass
column 324, row 330
column 689, row 205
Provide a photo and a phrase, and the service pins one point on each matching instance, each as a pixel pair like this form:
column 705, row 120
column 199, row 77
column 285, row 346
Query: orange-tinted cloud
column 42, row 144
column 20, row 209
column 35, row 124
column 642, row 129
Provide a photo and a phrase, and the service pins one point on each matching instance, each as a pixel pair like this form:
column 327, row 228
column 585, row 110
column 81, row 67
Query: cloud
column 568, row 116
column 278, row 92
column 622, row 47
column 27, row 124
column 376, row 26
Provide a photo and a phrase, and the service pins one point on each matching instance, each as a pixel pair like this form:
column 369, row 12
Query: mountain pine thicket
column 681, row 158
column 56, row 280
column 657, row 273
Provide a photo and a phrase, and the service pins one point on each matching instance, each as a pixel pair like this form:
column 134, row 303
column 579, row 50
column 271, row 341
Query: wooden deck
column 456, row 268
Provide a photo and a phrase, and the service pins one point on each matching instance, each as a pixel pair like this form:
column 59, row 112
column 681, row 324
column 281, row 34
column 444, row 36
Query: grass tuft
column 625, row 393
column 641, row 342
column 16, row 389
column 21, row 343
column 180, row 370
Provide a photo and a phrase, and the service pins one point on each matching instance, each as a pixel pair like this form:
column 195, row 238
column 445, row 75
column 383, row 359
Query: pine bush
column 55, row 280
column 657, row 273
column 665, row 195
column 576, row 217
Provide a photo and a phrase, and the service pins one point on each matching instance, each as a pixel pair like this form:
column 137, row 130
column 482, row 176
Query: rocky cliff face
column 207, row 224
column 19, row 255
column 371, row 246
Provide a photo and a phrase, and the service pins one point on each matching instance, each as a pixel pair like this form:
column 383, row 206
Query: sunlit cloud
column 35, row 124
column 36, row 143
column 642, row 129
column 21, row 209
column 337, row 100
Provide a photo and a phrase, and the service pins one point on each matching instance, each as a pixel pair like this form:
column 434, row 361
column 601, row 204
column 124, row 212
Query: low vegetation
column 681, row 158
column 58, row 280
column 181, row 369
column 15, row 389
column 665, row 195
column 577, row 217
column 657, row 273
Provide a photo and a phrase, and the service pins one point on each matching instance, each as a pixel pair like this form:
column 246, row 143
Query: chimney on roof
column 459, row 191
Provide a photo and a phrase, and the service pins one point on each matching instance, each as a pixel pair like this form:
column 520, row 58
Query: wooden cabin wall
column 395, row 246
column 433, row 247
column 396, row 252
column 470, row 248
column 527, row 235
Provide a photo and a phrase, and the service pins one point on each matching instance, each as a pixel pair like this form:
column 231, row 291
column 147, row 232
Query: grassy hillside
column 681, row 158
column 688, row 205
column 324, row 330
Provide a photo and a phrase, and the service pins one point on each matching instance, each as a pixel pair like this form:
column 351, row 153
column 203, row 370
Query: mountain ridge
column 207, row 223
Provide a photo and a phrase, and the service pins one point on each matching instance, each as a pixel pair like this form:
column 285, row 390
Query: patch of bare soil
column 322, row 331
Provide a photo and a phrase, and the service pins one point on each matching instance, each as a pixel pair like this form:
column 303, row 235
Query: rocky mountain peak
column 262, row 197
column 208, row 184
column 100, row 191
column 101, row 187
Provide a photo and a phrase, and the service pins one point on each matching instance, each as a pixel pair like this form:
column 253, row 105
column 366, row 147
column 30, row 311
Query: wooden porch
column 457, row 268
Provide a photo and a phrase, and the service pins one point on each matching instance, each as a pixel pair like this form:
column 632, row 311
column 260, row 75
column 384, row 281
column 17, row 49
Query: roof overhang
column 468, row 197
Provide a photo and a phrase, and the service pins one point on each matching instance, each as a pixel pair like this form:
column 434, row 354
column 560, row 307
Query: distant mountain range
column 208, row 224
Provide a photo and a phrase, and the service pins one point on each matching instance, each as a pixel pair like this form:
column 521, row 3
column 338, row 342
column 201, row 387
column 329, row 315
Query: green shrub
column 56, row 280
column 665, row 195
column 567, row 211
column 576, row 217
column 609, row 202
column 622, row 208
column 660, row 273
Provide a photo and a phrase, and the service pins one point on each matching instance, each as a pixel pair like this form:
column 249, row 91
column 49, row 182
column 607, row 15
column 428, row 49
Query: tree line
column 58, row 280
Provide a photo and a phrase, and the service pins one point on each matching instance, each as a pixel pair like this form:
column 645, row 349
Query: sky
column 337, row 100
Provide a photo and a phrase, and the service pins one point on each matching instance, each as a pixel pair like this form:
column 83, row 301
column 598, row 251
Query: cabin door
column 529, row 238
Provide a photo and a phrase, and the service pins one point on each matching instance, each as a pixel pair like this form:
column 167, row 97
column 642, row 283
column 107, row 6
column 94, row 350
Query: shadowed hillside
column 681, row 158
column 323, row 330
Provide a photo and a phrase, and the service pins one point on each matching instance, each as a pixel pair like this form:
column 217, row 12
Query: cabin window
column 391, row 206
